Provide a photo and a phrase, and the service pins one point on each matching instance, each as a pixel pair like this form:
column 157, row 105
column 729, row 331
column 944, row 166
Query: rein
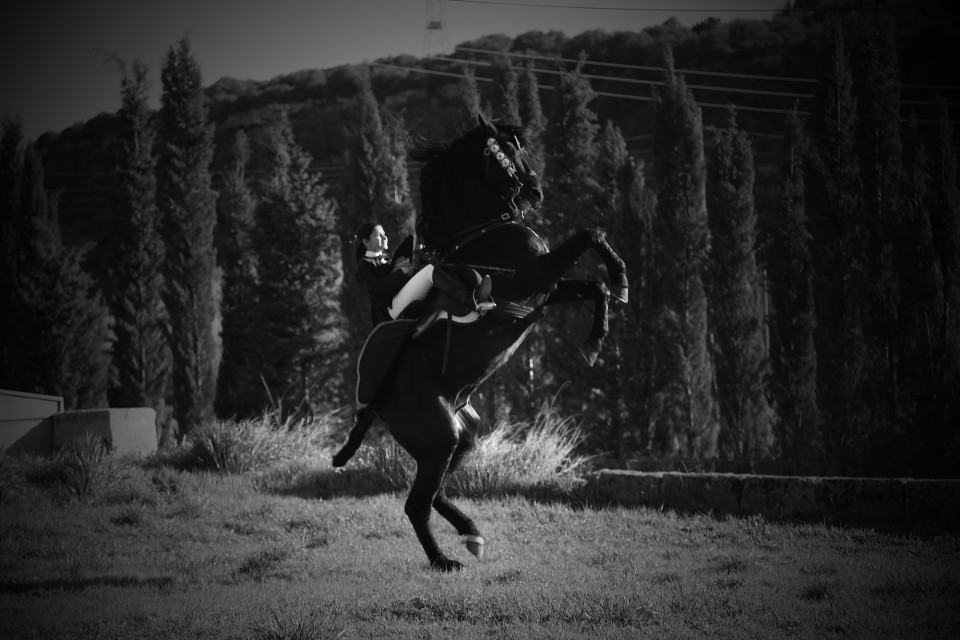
column 472, row 233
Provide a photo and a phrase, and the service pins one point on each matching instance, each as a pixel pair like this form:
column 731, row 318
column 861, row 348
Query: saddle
column 459, row 294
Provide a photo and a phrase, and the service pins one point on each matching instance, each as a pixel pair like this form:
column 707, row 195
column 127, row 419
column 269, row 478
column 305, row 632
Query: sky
column 54, row 69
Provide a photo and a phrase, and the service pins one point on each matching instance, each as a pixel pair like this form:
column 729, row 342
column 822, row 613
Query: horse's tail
column 361, row 424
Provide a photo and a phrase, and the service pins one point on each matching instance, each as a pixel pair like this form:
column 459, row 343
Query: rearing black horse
column 474, row 192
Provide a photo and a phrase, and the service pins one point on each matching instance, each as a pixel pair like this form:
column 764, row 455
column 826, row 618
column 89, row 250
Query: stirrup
column 481, row 296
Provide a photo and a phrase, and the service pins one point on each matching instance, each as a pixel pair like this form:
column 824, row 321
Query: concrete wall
column 36, row 423
column 878, row 502
column 25, row 423
column 127, row 431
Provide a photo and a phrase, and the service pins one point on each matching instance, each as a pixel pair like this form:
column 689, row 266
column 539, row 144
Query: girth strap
column 516, row 310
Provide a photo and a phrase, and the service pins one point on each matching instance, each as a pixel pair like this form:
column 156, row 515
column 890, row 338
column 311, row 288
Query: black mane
column 431, row 224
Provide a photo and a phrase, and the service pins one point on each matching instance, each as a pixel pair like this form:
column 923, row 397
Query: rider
column 392, row 285
column 376, row 274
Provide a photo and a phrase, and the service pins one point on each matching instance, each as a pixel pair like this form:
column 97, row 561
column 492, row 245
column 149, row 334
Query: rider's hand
column 403, row 265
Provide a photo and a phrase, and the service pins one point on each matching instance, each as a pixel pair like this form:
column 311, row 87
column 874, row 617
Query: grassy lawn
column 299, row 551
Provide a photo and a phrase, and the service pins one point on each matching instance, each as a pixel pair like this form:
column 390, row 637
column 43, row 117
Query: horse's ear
column 492, row 130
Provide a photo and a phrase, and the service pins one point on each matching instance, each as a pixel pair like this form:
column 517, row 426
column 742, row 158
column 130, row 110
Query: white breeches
column 416, row 288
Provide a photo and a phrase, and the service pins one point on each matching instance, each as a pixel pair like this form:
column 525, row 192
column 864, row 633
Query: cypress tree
column 633, row 344
column 841, row 282
column 878, row 139
column 943, row 205
column 571, row 190
column 470, row 93
column 683, row 412
column 12, row 233
column 300, row 277
column 188, row 207
column 620, row 384
column 507, row 90
column 141, row 358
column 736, row 295
column 923, row 358
column 239, row 388
column 571, row 149
column 533, row 119
column 399, row 208
column 54, row 322
column 377, row 191
column 75, row 326
column 793, row 357
column 372, row 170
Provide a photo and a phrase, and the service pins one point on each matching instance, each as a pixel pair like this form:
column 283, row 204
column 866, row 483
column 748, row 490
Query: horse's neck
column 466, row 211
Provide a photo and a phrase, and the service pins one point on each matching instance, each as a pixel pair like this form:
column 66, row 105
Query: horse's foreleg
column 563, row 257
column 577, row 291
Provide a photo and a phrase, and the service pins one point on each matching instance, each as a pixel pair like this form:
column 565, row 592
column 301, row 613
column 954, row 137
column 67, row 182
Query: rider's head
column 369, row 237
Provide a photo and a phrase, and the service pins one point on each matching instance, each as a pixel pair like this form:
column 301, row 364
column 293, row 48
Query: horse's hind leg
column 428, row 484
column 432, row 438
column 444, row 506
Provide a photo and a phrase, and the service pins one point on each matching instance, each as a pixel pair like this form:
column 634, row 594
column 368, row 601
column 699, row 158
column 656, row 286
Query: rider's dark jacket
column 377, row 278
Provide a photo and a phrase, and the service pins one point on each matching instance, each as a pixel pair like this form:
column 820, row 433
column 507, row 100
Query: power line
column 544, row 5
column 620, row 65
column 723, row 74
column 607, row 94
column 785, row 94
column 570, row 6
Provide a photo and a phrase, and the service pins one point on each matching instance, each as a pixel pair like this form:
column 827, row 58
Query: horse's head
column 506, row 168
column 480, row 178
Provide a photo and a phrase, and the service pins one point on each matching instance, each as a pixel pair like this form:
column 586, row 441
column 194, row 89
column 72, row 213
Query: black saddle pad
column 377, row 355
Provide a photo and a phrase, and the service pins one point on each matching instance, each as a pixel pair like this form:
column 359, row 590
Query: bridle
column 464, row 237
column 514, row 217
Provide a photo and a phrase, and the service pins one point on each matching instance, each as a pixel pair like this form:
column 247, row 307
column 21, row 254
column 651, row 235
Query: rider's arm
column 380, row 289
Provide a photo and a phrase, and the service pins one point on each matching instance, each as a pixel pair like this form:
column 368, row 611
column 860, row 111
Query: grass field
column 157, row 548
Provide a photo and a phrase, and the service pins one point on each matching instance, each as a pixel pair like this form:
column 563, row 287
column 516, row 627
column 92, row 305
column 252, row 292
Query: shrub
column 518, row 455
column 236, row 447
column 391, row 462
column 512, row 457
column 84, row 469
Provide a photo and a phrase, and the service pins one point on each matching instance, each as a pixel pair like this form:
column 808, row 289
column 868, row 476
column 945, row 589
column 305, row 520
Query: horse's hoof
column 341, row 458
column 446, row 565
column 474, row 545
column 590, row 350
column 623, row 295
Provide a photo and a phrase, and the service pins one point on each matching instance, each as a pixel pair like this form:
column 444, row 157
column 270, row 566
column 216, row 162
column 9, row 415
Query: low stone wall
column 127, row 431
column 875, row 502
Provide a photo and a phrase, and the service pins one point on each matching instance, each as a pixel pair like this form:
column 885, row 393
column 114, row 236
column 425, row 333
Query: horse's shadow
column 329, row 483
column 364, row 482
column 81, row 584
